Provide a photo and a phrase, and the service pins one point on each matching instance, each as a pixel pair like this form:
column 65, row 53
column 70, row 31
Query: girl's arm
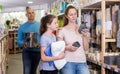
column 50, row 58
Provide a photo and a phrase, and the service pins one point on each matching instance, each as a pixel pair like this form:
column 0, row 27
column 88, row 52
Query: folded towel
column 56, row 49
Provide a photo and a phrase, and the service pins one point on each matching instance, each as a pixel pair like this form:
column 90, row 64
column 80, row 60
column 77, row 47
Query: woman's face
column 54, row 25
column 72, row 15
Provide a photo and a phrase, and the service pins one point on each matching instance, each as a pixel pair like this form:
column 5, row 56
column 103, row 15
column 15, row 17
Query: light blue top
column 46, row 40
column 28, row 27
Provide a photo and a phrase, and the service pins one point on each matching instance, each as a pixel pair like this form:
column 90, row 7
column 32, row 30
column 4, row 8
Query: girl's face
column 54, row 25
column 72, row 15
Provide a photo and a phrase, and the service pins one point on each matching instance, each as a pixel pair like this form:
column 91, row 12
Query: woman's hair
column 65, row 21
column 44, row 21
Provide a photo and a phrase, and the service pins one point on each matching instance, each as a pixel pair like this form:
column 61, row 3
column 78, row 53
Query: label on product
column 99, row 63
column 104, row 65
column 116, row 70
column 108, row 67
column 108, row 25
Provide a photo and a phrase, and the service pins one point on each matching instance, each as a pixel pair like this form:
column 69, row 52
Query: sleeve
column 60, row 34
column 43, row 41
column 20, row 37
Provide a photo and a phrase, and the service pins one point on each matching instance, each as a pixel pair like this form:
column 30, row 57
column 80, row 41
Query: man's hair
column 27, row 8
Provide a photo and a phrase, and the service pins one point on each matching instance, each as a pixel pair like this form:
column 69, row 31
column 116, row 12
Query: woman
column 75, row 56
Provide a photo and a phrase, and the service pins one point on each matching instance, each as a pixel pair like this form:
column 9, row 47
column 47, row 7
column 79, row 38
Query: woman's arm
column 85, row 39
column 85, row 43
column 68, row 47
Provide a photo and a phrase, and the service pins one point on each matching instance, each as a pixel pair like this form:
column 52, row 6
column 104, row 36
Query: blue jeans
column 75, row 68
column 30, row 61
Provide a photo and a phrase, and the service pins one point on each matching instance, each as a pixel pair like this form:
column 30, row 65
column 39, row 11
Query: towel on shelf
column 118, row 33
column 119, row 17
column 115, row 9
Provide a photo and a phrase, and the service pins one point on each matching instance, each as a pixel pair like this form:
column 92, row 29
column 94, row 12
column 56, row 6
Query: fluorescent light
column 30, row 2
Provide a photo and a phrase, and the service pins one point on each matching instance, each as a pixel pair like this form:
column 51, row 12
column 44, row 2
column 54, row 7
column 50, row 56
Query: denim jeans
column 30, row 61
column 75, row 68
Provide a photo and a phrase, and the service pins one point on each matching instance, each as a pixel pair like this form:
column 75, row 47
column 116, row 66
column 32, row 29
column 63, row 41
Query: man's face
column 30, row 14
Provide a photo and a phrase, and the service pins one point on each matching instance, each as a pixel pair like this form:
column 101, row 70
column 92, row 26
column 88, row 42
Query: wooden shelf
column 15, row 48
column 110, row 40
column 97, row 4
column 102, row 5
column 2, row 37
column 91, row 4
column 106, row 66
column 3, row 53
column 95, row 62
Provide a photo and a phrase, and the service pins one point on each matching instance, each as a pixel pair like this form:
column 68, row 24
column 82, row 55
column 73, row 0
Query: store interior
column 101, row 17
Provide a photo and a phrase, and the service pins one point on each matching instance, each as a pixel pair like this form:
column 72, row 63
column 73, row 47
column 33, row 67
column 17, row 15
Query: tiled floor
column 15, row 64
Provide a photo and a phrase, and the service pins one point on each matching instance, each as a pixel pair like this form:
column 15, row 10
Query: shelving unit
column 3, row 53
column 13, row 46
column 106, row 66
column 101, row 5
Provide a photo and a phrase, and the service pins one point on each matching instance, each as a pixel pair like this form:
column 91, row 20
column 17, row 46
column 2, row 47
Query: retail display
column 105, row 12
column 59, row 6
column 100, row 17
column 3, row 53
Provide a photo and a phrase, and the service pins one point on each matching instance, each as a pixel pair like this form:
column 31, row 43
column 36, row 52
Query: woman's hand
column 71, row 48
column 84, row 32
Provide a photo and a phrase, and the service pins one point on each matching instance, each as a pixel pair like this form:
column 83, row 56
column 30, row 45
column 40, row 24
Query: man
column 30, row 55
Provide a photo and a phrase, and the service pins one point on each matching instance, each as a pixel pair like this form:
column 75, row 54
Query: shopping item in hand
column 31, row 40
column 76, row 44
column 82, row 26
column 57, row 48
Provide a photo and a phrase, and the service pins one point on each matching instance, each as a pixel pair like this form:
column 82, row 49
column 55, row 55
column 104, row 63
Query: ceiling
column 21, row 3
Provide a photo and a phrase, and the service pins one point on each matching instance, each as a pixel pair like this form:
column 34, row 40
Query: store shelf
column 3, row 53
column 106, row 66
column 110, row 40
column 115, row 69
column 97, row 4
column 95, row 62
column 2, row 37
column 14, row 46
column 2, row 60
column 91, row 4
column 102, row 5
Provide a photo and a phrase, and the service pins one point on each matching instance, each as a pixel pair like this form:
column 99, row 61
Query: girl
column 49, row 24
column 75, row 56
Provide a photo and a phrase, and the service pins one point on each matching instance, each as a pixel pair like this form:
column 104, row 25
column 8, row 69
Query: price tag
column 95, row 62
column 108, row 67
column 116, row 70
column 104, row 65
column 99, row 64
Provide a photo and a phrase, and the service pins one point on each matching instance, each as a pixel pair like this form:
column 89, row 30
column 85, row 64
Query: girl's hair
column 65, row 21
column 44, row 21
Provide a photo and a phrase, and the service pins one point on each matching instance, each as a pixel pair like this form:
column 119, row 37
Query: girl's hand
column 61, row 55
